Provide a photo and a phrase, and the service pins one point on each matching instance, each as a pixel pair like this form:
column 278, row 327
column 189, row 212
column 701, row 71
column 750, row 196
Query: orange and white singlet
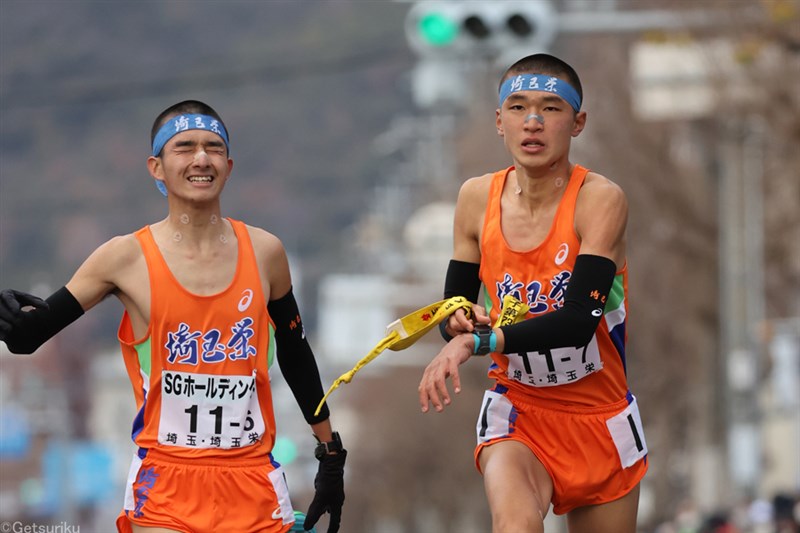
column 590, row 375
column 200, row 375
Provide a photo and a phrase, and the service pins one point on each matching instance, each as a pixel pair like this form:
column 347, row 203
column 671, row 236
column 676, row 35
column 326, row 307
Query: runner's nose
column 201, row 158
column 534, row 120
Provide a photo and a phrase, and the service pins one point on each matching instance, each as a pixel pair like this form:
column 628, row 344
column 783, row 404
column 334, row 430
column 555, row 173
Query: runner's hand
column 458, row 323
column 433, row 387
column 329, row 492
column 11, row 313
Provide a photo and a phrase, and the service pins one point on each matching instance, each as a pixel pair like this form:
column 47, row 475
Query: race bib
column 558, row 366
column 626, row 430
column 209, row 410
column 495, row 417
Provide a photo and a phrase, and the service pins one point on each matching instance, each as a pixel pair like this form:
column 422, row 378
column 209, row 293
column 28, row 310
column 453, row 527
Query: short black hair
column 187, row 106
column 545, row 64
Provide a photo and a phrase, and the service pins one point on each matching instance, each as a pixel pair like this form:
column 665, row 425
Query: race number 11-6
column 209, row 411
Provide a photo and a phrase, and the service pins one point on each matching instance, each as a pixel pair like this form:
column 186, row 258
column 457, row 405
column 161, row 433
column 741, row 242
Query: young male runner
column 560, row 425
column 202, row 295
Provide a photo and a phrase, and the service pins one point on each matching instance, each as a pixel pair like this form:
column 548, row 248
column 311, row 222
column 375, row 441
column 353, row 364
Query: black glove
column 329, row 492
column 11, row 313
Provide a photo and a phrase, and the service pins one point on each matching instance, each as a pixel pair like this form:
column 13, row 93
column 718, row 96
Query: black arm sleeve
column 575, row 323
column 296, row 359
column 38, row 325
column 462, row 279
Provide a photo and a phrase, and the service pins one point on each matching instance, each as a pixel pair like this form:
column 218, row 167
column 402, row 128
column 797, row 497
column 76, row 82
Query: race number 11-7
column 557, row 366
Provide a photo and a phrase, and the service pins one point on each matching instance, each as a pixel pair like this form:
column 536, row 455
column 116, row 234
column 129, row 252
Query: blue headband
column 186, row 122
column 540, row 82
column 175, row 125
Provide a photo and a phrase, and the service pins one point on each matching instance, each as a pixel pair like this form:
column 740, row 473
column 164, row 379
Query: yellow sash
column 407, row 330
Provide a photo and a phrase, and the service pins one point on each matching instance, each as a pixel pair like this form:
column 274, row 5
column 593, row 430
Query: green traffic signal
column 437, row 29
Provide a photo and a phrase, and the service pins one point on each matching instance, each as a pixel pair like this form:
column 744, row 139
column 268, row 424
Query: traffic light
column 480, row 28
column 452, row 36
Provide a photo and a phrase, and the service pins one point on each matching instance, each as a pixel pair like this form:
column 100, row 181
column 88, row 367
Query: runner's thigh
column 618, row 516
column 515, row 479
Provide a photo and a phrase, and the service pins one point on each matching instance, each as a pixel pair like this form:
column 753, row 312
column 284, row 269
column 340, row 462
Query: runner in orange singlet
column 559, row 426
column 208, row 301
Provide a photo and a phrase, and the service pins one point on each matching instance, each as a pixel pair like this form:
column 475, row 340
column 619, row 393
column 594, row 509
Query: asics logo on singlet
column 563, row 252
column 597, row 312
column 277, row 513
column 247, row 297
